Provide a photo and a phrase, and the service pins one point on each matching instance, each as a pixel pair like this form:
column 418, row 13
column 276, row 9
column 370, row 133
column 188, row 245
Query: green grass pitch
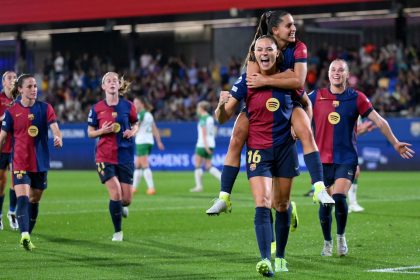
column 169, row 236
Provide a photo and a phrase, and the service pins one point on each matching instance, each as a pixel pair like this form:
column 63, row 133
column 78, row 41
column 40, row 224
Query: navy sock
column 13, row 200
column 325, row 218
column 33, row 214
column 341, row 212
column 314, row 165
column 1, row 203
column 22, row 213
column 282, row 231
column 229, row 174
column 263, row 231
column 115, row 209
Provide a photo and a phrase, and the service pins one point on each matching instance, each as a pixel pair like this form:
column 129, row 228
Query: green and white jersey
column 145, row 135
column 207, row 122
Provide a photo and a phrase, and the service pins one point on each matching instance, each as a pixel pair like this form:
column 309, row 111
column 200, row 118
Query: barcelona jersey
column 6, row 103
column 113, row 147
column 29, row 129
column 335, row 120
column 269, row 113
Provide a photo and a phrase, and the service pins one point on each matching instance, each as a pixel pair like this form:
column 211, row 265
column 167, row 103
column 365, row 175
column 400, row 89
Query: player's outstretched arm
column 401, row 147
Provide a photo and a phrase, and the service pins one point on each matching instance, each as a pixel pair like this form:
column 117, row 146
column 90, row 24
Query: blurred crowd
column 387, row 74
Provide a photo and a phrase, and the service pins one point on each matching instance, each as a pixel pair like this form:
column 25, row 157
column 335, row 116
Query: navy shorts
column 124, row 172
column 334, row 171
column 280, row 161
column 37, row 180
column 4, row 161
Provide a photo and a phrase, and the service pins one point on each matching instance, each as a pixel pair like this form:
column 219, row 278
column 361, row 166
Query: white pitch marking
column 398, row 270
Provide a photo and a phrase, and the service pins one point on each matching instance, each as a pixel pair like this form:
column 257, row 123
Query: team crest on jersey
column 334, row 118
column 272, row 104
column 33, row 131
column 31, row 117
column 117, row 127
column 336, row 103
column 114, row 114
column 252, row 166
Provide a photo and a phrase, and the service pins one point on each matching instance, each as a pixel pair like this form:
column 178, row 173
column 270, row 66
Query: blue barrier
column 179, row 139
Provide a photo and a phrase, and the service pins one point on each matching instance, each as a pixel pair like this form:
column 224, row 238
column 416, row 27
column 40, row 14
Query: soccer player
column 6, row 101
column 28, row 121
column 114, row 121
column 336, row 110
column 144, row 144
column 279, row 24
column 271, row 152
column 205, row 145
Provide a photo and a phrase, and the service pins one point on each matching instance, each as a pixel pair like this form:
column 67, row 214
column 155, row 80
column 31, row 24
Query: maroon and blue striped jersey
column 335, row 122
column 113, row 147
column 6, row 103
column 269, row 112
column 29, row 129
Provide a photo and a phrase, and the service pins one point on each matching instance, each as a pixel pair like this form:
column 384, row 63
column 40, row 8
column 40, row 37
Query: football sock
column 22, row 213
column 282, row 231
column 138, row 173
column 263, row 231
column 228, row 177
column 115, row 209
column 341, row 212
column 215, row 172
column 33, row 214
column 148, row 177
column 198, row 173
column 314, row 165
column 13, row 200
column 325, row 218
column 1, row 204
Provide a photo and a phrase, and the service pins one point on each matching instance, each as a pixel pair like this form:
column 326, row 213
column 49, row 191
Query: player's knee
column 281, row 205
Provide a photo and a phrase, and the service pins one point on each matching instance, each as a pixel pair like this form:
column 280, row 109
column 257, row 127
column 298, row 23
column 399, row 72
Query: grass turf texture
column 169, row 236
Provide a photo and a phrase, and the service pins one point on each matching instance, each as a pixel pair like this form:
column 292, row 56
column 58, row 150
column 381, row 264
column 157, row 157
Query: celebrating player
column 271, row 152
column 6, row 101
column 28, row 121
column 114, row 121
column 281, row 26
column 336, row 110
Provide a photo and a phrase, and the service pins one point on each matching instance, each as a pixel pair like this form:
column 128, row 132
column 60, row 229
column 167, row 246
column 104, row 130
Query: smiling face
column 111, row 83
column 338, row 73
column 266, row 53
column 285, row 32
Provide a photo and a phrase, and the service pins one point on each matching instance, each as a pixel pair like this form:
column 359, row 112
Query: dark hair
column 267, row 21
column 279, row 58
column 147, row 105
column 18, row 83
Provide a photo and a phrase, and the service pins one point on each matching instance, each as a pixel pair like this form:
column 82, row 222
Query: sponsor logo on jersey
column 334, row 118
column 117, row 127
column 33, row 131
column 272, row 104
column 18, row 114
